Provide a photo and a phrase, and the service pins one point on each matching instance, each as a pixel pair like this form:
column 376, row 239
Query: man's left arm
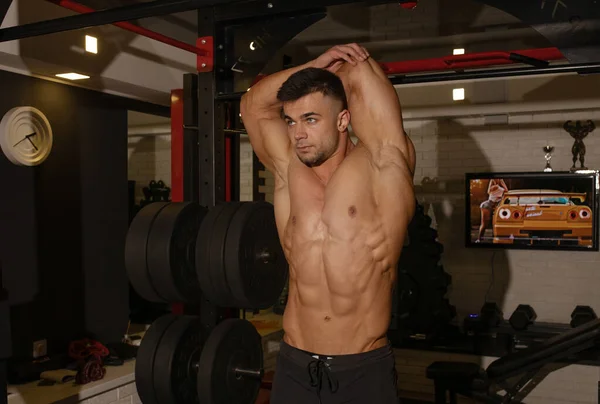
column 375, row 111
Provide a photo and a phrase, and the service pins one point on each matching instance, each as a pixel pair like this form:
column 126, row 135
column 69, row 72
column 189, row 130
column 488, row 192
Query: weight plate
column 136, row 262
column 233, row 344
column 255, row 264
column 176, row 364
column 218, row 254
column 408, row 295
column 145, row 358
column 171, row 252
column 203, row 248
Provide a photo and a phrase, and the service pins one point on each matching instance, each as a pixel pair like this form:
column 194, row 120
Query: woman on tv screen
column 495, row 191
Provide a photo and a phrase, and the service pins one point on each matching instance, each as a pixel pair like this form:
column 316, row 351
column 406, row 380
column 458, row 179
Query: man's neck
column 325, row 171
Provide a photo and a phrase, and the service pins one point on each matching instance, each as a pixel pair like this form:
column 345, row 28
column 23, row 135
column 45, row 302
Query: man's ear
column 343, row 120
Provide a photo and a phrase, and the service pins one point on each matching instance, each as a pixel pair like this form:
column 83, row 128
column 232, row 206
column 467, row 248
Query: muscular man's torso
column 342, row 244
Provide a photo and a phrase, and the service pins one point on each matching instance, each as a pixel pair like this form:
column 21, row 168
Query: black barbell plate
column 218, row 255
column 145, row 358
column 177, row 357
column 408, row 295
column 136, row 243
column 234, row 343
column 171, row 252
column 203, row 248
column 254, row 282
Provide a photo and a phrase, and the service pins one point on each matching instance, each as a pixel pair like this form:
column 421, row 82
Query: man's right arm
column 261, row 114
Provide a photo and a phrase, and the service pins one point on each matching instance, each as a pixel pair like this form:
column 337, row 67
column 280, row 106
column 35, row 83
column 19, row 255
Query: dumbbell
column 582, row 315
column 522, row 317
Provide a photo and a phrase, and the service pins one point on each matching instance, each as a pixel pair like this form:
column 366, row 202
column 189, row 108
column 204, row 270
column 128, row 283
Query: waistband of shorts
column 303, row 358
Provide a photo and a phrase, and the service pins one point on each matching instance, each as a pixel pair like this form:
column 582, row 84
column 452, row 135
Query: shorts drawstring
column 317, row 369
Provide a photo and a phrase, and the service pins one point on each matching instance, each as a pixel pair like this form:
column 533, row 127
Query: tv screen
column 556, row 210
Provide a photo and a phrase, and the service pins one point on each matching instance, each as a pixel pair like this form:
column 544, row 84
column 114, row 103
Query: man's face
column 314, row 125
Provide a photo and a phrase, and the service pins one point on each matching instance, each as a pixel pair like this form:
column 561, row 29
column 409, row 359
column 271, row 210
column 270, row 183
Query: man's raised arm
column 261, row 114
column 376, row 114
column 261, row 110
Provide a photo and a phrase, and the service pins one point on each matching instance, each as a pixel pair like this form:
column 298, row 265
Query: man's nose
column 299, row 133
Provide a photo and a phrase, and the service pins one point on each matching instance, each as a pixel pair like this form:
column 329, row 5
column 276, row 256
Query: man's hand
column 335, row 57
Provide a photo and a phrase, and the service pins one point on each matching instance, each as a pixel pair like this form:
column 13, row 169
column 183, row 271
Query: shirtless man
column 342, row 211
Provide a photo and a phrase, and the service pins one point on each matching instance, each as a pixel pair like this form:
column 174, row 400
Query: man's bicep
column 374, row 106
column 270, row 142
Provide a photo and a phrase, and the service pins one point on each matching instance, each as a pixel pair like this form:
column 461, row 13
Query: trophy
column 579, row 131
column 548, row 150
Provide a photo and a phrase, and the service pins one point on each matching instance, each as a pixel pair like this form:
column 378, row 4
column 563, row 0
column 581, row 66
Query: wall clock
column 26, row 136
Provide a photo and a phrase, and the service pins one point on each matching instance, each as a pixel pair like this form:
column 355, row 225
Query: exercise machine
column 469, row 380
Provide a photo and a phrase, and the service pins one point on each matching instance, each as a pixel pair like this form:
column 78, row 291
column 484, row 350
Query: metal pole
column 82, row 9
column 587, row 68
column 210, row 149
column 104, row 17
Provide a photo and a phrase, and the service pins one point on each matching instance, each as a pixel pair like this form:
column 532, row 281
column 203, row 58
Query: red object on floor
column 80, row 8
column 480, row 59
column 177, row 160
column 409, row 5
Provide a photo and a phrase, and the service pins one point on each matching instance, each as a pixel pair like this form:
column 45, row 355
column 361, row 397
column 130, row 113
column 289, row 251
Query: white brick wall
column 149, row 159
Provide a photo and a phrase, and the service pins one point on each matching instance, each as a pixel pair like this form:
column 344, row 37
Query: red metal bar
column 177, row 160
column 80, row 8
column 469, row 60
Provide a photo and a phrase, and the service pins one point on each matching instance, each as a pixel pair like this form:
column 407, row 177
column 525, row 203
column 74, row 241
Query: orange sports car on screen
column 540, row 216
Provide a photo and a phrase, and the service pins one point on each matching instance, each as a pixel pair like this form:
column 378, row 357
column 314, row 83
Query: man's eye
column 311, row 120
column 290, row 123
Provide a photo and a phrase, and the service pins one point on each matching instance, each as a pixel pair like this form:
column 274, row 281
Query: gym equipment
column 231, row 254
column 155, row 192
column 489, row 317
column 255, row 264
column 419, row 305
column 231, row 365
column 177, row 362
column 469, row 380
column 241, row 263
column 170, row 251
column 159, row 250
column 582, row 315
column 491, row 314
column 522, row 317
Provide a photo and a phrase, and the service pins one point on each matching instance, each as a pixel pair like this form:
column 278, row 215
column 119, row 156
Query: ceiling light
column 72, row 76
column 458, row 94
column 91, row 44
column 459, row 51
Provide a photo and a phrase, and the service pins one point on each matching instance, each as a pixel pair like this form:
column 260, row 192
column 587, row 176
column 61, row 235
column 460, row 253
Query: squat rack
column 205, row 157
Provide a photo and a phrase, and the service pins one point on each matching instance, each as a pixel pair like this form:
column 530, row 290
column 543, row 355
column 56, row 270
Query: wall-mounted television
column 532, row 210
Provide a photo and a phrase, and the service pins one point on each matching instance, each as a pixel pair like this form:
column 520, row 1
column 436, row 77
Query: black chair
column 469, row 380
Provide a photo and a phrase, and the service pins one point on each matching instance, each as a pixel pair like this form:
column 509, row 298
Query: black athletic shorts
column 303, row 378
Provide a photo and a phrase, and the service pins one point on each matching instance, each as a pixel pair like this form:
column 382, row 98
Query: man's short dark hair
column 312, row 80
